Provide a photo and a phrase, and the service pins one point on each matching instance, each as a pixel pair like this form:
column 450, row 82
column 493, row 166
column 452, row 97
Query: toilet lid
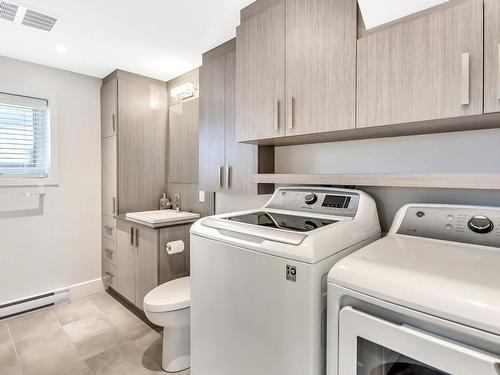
column 171, row 296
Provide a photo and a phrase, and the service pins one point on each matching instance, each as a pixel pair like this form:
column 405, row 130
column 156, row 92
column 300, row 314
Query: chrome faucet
column 177, row 202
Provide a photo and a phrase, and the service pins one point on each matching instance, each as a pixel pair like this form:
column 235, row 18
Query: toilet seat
column 171, row 296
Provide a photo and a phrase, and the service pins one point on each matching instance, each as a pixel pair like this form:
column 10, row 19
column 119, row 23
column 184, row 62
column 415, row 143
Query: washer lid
column 454, row 281
column 171, row 296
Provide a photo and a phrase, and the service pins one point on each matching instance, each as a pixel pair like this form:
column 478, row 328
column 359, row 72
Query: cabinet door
column 183, row 126
column 142, row 140
column 427, row 68
column 109, row 103
column 491, row 56
column 173, row 266
column 108, row 176
column 146, row 271
column 125, row 261
column 320, row 65
column 241, row 159
column 260, row 82
column 212, row 124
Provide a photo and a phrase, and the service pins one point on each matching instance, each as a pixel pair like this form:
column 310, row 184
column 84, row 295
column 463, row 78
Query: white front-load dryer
column 259, row 280
column 425, row 299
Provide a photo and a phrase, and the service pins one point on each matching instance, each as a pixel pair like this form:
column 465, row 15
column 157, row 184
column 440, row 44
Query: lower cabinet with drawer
column 108, row 273
column 140, row 258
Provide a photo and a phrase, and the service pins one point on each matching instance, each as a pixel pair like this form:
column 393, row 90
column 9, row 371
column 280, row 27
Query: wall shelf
column 485, row 181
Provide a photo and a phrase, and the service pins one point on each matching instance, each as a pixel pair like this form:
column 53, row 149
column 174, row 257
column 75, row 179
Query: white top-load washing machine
column 259, row 278
column 423, row 300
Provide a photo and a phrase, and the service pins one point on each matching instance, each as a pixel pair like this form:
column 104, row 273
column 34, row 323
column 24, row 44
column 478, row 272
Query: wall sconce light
column 184, row 91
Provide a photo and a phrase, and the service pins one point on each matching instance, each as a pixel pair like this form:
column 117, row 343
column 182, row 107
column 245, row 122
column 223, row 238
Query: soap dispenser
column 165, row 202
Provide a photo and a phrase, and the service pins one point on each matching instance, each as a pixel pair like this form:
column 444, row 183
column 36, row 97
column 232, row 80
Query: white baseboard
column 85, row 289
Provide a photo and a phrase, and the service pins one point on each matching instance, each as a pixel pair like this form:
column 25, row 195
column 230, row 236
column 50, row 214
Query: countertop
column 156, row 226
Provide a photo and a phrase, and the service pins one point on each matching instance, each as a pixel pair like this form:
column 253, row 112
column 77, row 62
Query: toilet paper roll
column 175, row 247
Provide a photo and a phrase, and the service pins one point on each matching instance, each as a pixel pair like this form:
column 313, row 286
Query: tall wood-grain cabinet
column 296, row 68
column 225, row 165
column 133, row 153
column 426, row 67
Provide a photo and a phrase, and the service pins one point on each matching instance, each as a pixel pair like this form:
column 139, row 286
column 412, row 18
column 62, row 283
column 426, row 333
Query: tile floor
column 91, row 336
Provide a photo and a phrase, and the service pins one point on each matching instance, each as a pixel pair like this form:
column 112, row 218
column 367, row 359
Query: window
column 24, row 137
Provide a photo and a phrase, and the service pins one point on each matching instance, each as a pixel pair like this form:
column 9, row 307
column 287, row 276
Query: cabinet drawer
column 108, row 273
column 109, row 227
column 109, row 250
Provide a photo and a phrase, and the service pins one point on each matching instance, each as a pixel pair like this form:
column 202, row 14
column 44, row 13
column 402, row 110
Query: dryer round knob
column 311, row 198
column 480, row 224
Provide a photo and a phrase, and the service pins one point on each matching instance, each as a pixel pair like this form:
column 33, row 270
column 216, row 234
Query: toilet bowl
column 168, row 306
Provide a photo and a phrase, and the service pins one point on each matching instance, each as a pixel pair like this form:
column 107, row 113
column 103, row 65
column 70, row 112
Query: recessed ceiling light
column 61, row 48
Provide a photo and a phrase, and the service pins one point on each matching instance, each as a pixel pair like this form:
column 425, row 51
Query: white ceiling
column 378, row 12
column 157, row 38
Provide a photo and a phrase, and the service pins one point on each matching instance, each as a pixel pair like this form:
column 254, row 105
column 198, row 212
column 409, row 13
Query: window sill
column 27, row 182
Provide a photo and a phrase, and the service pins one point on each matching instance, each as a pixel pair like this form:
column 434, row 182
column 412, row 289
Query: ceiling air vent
column 8, row 11
column 38, row 20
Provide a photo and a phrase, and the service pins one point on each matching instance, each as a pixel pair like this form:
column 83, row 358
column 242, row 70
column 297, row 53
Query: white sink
column 162, row 216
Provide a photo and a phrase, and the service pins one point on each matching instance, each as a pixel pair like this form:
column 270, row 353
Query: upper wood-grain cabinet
column 109, row 108
column 320, row 66
column 426, row 68
column 139, row 161
column 142, row 143
column 212, row 147
column 183, row 123
column 296, row 68
column 491, row 56
column 225, row 164
column 260, row 74
column 108, row 176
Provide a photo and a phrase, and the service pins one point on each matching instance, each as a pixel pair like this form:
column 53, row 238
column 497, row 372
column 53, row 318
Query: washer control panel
column 319, row 201
column 472, row 225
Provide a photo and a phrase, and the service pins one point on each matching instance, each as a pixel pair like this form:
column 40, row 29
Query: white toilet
column 168, row 306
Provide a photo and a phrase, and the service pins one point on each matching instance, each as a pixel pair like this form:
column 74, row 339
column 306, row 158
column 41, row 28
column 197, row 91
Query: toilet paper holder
column 175, row 247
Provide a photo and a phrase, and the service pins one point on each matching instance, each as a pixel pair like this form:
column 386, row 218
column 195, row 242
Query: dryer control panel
column 466, row 224
column 324, row 201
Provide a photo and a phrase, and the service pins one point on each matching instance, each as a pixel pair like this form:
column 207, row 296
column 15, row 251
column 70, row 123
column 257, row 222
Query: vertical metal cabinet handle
column 228, row 174
column 220, row 175
column 465, row 95
column 277, row 116
column 498, row 72
column 114, row 122
column 289, row 115
column 132, row 236
column 114, row 206
column 136, row 238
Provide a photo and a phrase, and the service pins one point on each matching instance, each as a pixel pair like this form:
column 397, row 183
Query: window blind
column 24, row 137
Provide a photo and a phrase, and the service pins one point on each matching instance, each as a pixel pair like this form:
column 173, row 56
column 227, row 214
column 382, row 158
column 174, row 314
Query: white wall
column 59, row 245
column 467, row 152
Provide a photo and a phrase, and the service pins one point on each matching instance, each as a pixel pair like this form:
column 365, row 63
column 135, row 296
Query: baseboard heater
column 34, row 303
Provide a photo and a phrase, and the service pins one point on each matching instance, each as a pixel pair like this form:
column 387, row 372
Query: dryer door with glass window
column 372, row 346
